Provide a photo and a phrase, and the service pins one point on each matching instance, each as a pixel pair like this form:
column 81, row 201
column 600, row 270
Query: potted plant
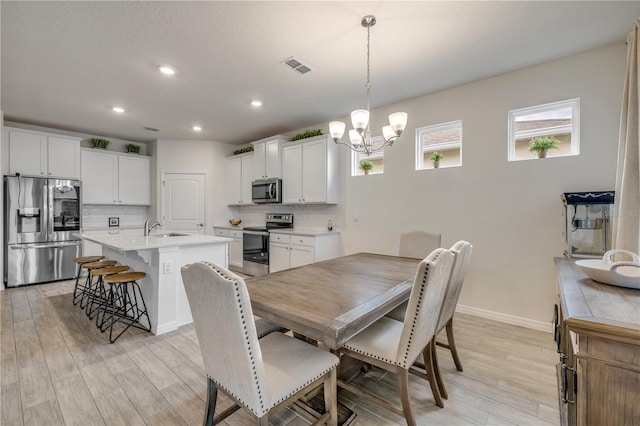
column 542, row 144
column 133, row 148
column 99, row 143
column 436, row 157
column 366, row 165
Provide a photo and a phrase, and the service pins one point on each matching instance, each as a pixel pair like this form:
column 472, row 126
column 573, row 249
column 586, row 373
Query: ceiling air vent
column 296, row 65
column 152, row 129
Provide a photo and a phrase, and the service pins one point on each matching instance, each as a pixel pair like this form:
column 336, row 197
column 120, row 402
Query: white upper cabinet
column 310, row 172
column 239, row 178
column 266, row 158
column 112, row 178
column 43, row 154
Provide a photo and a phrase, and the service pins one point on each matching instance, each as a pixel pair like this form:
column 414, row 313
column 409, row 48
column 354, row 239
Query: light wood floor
column 57, row 369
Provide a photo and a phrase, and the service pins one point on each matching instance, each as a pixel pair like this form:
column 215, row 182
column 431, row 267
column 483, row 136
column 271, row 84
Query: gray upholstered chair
column 263, row 375
column 264, row 327
column 417, row 245
column 394, row 346
column 462, row 251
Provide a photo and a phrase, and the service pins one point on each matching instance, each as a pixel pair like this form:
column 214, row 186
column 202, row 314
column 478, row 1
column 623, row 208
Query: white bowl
column 624, row 273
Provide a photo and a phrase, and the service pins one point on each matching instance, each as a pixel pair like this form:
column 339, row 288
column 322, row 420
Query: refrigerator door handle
column 49, row 206
column 45, row 245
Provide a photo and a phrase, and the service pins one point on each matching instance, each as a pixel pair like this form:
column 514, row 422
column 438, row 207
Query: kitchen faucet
column 148, row 226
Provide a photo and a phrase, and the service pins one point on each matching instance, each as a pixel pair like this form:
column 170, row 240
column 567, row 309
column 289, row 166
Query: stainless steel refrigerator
column 40, row 218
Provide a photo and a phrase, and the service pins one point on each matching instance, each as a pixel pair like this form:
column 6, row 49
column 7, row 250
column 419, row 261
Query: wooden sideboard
column 598, row 335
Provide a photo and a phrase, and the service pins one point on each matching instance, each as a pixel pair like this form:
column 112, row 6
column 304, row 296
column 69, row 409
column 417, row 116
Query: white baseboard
column 509, row 319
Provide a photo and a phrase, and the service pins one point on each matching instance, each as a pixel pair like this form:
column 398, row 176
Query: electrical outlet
column 167, row 267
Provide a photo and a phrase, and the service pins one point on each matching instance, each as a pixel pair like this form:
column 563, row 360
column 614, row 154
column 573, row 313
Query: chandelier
column 360, row 135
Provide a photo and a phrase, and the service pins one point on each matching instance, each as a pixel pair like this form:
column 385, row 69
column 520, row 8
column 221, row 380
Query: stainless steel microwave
column 266, row 191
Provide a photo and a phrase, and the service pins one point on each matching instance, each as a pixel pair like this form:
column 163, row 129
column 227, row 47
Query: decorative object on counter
column 436, row 157
column 623, row 273
column 235, row 222
column 329, row 225
column 114, row 222
column 360, row 136
column 366, row 165
column 307, row 134
column 133, row 148
column 542, row 144
column 99, row 143
column 243, row 150
column 588, row 223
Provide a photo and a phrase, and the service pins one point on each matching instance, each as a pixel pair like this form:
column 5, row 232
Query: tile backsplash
column 97, row 217
column 313, row 216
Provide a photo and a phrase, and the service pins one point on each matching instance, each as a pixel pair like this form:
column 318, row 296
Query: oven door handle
column 264, row 234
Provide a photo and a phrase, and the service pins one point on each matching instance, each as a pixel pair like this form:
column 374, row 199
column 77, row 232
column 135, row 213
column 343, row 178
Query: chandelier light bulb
column 388, row 133
column 336, row 129
column 360, row 119
column 355, row 138
column 398, row 121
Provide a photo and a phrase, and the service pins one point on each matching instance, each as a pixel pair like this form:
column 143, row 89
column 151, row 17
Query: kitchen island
column 161, row 256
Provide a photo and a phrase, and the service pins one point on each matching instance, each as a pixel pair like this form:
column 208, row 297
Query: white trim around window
column 446, row 146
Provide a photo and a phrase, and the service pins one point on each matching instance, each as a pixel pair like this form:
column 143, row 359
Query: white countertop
column 125, row 240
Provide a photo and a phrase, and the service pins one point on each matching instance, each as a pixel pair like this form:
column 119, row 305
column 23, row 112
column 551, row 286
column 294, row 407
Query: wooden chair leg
column 212, row 395
column 428, row 365
column 452, row 345
column 264, row 420
column 331, row 397
column 436, row 368
column 403, row 387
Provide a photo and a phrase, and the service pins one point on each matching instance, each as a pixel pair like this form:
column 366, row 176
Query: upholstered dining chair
column 417, row 245
column 394, row 346
column 462, row 251
column 261, row 376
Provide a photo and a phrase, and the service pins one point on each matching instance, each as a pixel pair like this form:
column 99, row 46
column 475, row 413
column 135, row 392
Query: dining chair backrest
column 418, row 244
column 226, row 331
column 462, row 251
column 425, row 303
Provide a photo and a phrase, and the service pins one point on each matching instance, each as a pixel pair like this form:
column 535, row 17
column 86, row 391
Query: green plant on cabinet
column 99, row 143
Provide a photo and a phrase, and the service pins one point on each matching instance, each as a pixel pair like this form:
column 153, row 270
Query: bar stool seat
column 79, row 288
column 124, row 303
column 89, row 288
column 98, row 296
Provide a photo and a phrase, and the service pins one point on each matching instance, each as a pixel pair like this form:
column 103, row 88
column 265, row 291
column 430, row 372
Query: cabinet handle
column 556, row 327
column 564, row 386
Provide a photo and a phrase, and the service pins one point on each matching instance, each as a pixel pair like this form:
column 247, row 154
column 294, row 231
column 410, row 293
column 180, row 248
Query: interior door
column 183, row 202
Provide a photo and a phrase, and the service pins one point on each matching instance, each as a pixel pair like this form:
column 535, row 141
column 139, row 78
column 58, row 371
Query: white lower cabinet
column 235, row 246
column 291, row 250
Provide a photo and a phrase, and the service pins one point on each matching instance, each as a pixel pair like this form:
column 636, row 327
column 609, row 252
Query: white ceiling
column 65, row 64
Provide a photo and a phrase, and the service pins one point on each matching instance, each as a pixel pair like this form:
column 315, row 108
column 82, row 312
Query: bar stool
column 98, row 296
column 79, row 288
column 88, row 285
column 125, row 303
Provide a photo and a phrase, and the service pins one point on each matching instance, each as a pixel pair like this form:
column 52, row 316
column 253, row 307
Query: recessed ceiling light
column 118, row 109
column 196, row 128
column 256, row 103
column 165, row 69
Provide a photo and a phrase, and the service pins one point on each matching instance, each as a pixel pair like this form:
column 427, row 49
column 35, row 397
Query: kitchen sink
column 169, row 234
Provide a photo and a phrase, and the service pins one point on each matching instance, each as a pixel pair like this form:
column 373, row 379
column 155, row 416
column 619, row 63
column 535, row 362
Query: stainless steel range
column 255, row 248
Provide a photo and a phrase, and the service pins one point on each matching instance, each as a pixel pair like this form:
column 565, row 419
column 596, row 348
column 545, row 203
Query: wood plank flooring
column 58, row 369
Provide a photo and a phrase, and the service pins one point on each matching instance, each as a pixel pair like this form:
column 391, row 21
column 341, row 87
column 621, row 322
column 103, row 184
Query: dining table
column 333, row 300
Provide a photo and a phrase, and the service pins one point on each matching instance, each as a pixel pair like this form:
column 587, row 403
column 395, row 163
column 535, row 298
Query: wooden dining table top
column 331, row 301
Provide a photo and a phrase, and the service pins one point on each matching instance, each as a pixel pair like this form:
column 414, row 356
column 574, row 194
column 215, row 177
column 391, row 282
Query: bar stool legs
column 78, row 290
column 124, row 304
column 97, row 295
column 88, row 290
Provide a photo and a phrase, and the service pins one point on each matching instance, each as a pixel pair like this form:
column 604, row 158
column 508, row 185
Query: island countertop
column 126, row 240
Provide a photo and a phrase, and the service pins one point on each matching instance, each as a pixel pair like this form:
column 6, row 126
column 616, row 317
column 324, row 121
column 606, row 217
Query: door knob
column 201, row 224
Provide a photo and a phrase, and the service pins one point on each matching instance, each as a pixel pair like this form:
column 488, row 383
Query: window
column 560, row 120
column 445, row 138
column 377, row 158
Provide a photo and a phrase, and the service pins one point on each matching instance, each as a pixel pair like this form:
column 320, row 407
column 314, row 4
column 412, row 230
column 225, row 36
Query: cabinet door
column 259, row 160
column 27, row 153
column 272, row 159
column 278, row 257
column 63, row 157
column 99, row 173
column 301, row 255
column 234, row 181
column 314, row 172
column 246, row 178
column 292, row 174
column 235, row 253
column 133, row 181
